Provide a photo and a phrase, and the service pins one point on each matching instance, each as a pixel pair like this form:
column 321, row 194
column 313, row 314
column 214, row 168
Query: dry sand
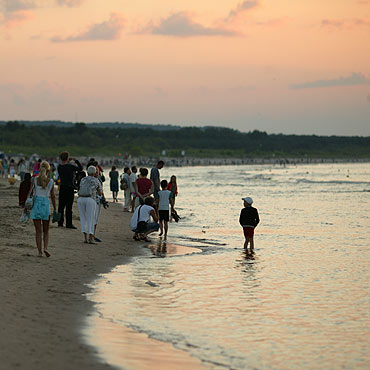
column 42, row 300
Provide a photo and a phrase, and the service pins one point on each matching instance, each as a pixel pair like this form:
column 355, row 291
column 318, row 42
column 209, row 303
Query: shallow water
column 301, row 301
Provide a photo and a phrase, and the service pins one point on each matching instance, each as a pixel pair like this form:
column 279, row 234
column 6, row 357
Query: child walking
column 248, row 219
column 164, row 202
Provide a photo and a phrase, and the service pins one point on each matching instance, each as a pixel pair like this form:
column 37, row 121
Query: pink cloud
column 15, row 19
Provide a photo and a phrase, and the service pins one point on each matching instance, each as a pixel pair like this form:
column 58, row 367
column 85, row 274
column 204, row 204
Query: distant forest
column 109, row 139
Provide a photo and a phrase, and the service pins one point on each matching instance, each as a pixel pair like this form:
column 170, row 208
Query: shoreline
column 47, row 316
column 44, row 303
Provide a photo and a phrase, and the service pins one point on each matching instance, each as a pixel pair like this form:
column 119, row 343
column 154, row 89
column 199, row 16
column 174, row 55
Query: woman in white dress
column 89, row 188
column 43, row 188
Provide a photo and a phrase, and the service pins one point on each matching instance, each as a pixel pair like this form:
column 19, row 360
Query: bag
column 56, row 217
column 29, row 202
column 30, row 199
column 102, row 178
column 141, row 225
column 124, row 185
column 86, row 189
column 175, row 216
column 24, row 216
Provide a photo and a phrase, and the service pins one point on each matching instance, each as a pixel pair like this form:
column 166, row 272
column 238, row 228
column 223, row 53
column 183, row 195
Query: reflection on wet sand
column 162, row 248
column 129, row 349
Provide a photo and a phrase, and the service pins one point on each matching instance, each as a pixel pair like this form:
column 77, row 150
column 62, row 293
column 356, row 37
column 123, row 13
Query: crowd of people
column 149, row 199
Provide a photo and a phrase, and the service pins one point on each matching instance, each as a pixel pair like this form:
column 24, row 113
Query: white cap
column 249, row 200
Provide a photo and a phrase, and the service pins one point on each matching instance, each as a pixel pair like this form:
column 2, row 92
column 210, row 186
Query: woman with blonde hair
column 42, row 188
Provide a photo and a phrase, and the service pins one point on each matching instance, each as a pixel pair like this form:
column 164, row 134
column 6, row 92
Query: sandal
column 47, row 254
column 136, row 237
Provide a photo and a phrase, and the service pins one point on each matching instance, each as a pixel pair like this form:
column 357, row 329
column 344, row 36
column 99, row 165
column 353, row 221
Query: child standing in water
column 248, row 219
column 164, row 202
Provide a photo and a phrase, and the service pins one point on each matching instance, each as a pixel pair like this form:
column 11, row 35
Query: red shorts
column 248, row 232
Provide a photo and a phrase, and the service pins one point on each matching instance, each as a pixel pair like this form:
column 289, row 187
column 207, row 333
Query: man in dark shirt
column 155, row 177
column 248, row 219
column 67, row 172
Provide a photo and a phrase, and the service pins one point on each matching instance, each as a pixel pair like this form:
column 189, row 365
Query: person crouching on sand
column 248, row 219
column 42, row 188
column 140, row 224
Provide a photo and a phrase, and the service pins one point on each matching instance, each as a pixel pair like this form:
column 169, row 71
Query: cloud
column 242, row 8
column 354, row 79
column 17, row 18
column 9, row 6
column 70, row 3
column 345, row 23
column 15, row 12
column 182, row 25
column 107, row 30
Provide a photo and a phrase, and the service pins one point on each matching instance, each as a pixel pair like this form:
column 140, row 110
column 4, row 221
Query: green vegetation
column 83, row 139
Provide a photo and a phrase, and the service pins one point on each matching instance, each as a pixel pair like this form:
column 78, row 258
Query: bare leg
column 85, row 236
column 45, row 229
column 38, row 229
column 161, row 227
column 165, row 228
column 252, row 244
column 246, row 243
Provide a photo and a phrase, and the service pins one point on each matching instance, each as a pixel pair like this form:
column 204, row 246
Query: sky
column 280, row 66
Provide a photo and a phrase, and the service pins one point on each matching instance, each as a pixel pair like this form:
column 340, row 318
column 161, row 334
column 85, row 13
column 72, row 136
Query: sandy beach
column 43, row 303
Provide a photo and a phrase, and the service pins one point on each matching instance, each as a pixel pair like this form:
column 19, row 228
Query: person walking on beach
column 144, row 187
column 172, row 187
column 24, row 189
column 140, row 224
column 12, row 168
column 100, row 200
column 36, row 168
column 67, row 170
column 22, row 169
column 90, row 187
column 133, row 178
column 249, row 219
column 113, row 175
column 164, row 201
column 155, row 177
column 42, row 188
column 5, row 168
column 125, row 182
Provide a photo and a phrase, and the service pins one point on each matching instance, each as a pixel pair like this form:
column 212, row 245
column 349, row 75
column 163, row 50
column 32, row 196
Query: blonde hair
column 43, row 178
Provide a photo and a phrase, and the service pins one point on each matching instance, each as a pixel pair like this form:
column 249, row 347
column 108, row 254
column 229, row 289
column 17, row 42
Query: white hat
column 249, row 200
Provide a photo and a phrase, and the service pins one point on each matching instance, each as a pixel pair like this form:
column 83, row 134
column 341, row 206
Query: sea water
column 300, row 302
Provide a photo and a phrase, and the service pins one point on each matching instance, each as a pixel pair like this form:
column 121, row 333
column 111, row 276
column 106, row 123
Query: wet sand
column 43, row 300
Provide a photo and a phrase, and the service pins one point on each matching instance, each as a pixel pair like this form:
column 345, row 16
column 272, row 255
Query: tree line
column 83, row 139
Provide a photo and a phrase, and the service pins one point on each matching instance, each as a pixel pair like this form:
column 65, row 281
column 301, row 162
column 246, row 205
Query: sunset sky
column 280, row 66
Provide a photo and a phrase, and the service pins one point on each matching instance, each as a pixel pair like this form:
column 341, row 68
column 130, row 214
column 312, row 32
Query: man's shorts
column 248, row 232
column 152, row 226
column 164, row 215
